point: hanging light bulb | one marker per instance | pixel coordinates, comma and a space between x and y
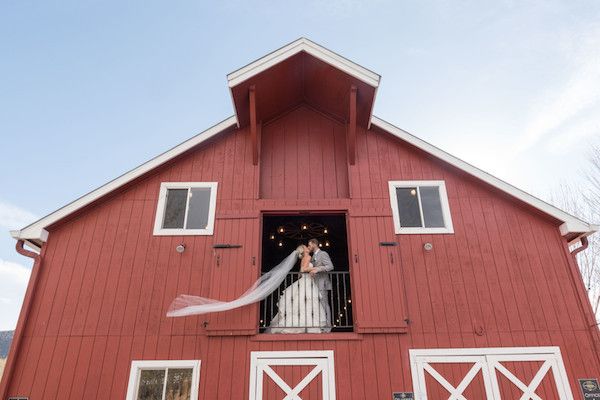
280, 244
280, 229
304, 227
327, 243
272, 237
320, 244
325, 230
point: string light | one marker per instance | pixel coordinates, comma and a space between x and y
281, 229
327, 243
325, 230
272, 237
280, 244
304, 227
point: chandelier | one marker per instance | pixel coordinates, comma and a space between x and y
301, 232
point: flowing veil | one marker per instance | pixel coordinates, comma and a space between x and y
185, 305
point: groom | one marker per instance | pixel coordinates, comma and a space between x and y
321, 264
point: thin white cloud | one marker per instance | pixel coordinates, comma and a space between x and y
569, 110
13, 271
13, 217
13, 283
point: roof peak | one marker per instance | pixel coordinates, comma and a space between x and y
316, 50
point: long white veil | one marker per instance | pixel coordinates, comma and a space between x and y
185, 305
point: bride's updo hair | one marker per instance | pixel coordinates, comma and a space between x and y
300, 250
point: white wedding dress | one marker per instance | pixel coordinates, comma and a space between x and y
300, 309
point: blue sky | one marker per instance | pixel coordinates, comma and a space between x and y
91, 89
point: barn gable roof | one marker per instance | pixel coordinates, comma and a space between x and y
303, 45
35, 234
303, 72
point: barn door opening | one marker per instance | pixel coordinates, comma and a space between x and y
526, 373
292, 375
281, 234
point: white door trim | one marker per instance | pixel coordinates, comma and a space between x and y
488, 360
261, 361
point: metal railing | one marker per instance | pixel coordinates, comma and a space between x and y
298, 306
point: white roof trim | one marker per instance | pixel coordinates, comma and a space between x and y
570, 224
303, 44
36, 231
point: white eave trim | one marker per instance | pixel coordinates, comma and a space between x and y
303, 44
37, 231
570, 224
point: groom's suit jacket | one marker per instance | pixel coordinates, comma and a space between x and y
322, 263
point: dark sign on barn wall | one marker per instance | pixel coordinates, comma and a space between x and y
589, 388
403, 395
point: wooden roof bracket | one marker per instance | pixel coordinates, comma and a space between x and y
352, 127
253, 128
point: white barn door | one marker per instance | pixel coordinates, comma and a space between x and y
491, 373
315, 366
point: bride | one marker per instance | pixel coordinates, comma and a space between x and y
300, 308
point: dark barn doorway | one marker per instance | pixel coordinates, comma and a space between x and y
281, 234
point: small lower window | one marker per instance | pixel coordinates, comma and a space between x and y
164, 380
186, 208
420, 207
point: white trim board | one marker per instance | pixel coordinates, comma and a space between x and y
261, 362
488, 361
184, 231
399, 229
138, 365
310, 47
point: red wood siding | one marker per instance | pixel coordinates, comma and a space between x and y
106, 281
303, 157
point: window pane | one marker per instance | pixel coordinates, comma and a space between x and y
179, 384
432, 207
151, 384
198, 212
175, 208
408, 207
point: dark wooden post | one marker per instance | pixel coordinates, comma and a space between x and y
352, 127
253, 130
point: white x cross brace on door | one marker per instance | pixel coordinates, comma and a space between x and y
488, 361
261, 362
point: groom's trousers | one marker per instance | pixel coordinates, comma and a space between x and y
324, 300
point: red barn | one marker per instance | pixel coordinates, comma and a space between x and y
448, 283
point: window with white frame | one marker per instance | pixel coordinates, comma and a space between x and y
420, 207
162, 380
186, 208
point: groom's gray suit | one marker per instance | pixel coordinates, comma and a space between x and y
322, 263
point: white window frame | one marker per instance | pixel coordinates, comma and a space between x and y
398, 229
260, 362
162, 201
487, 360
138, 365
